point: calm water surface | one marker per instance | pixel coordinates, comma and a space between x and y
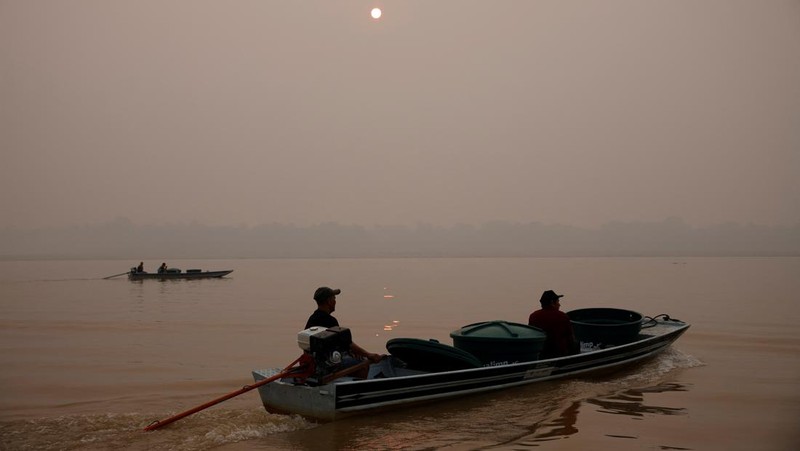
86, 363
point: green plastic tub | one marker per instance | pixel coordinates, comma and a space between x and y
500, 342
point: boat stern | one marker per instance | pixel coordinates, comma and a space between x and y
285, 397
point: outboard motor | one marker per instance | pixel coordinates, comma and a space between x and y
327, 346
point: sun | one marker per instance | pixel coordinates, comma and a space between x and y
376, 13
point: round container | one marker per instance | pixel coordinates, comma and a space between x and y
500, 342
430, 355
605, 326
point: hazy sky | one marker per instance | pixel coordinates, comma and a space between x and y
441, 112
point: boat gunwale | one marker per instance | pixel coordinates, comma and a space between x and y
594, 352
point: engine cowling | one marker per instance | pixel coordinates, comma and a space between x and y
327, 345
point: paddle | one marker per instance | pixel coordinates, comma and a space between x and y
116, 275
286, 372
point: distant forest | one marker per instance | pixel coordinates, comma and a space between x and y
121, 239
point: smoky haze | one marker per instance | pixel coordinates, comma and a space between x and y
243, 114
121, 239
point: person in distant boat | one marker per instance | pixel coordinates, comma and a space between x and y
162, 269
326, 304
560, 339
140, 268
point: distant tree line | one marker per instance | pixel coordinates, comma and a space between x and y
671, 237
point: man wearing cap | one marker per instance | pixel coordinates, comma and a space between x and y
556, 324
326, 304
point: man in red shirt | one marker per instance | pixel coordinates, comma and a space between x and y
556, 324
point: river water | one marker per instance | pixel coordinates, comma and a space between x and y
87, 362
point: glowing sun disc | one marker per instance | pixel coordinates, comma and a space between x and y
375, 13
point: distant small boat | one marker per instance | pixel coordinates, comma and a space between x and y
174, 273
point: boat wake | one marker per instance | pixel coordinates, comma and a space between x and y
205, 430
670, 360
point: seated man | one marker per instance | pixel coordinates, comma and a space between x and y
556, 324
326, 304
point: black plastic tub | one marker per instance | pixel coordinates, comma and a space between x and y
605, 326
430, 355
